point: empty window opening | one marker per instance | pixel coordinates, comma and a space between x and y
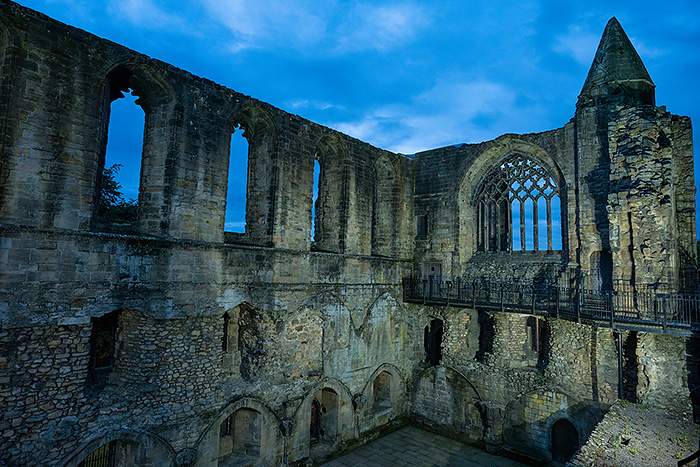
121, 174
536, 342
432, 342
102, 346
518, 208
314, 198
236, 194
104, 456
486, 334
240, 436
381, 391
422, 226
565, 441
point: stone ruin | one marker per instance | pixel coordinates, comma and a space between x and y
164, 340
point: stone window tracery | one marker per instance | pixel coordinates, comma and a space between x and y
518, 208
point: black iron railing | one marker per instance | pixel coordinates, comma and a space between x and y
653, 311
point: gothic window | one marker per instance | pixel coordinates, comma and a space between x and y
518, 208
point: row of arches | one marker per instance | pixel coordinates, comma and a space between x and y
248, 432
252, 179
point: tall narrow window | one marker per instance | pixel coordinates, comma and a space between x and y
236, 194
518, 208
121, 175
432, 342
314, 198
102, 346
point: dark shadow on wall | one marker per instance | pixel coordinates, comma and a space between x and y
486, 335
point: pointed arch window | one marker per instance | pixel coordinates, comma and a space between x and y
518, 208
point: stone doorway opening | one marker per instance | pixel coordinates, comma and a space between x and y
323, 427
565, 441
432, 341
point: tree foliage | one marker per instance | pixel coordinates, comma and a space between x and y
113, 208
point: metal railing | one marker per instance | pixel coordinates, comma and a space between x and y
651, 310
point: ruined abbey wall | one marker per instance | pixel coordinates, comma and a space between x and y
280, 346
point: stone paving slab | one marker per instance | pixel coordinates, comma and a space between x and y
413, 447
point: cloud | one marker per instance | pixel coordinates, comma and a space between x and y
447, 113
578, 43
331, 29
380, 27
303, 104
145, 13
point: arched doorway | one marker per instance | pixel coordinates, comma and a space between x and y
564, 441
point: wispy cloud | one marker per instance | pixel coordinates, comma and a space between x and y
578, 43
447, 113
303, 104
336, 28
145, 13
380, 27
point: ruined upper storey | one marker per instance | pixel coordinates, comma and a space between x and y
609, 197
58, 83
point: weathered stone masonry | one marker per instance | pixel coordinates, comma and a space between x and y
169, 342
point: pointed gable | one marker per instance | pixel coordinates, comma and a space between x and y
617, 74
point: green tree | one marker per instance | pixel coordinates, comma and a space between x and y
113, 208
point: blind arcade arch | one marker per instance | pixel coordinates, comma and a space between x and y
515, 199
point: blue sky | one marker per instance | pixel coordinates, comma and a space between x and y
403, 75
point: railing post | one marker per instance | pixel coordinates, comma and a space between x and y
449, 286
580, 304
612, 311
473, 295
665, 314
502, 307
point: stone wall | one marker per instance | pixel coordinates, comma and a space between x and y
268, 347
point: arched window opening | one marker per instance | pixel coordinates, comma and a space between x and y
237, 191
315, 210
565, 441
240, 436
330, 204
518, 208
381, 391
102, 347
118, 196
432, 342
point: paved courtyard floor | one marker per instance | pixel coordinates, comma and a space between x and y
414, 447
